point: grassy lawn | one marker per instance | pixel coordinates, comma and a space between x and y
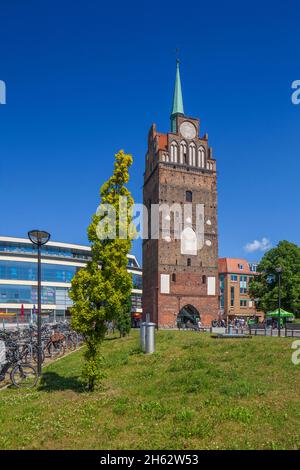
193, 393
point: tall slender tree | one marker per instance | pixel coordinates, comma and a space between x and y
101, 291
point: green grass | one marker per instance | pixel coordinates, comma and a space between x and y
193, 393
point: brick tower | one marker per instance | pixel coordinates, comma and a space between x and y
180, 267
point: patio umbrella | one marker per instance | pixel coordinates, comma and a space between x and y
283, 314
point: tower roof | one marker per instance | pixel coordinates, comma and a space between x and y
177, 107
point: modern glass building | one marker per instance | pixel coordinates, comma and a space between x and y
60, 261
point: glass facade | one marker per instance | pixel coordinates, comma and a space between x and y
26, 294
23, 248
13, 272
137, 281
48, 251
132, 263
23, 271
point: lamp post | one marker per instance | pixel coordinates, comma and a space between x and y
279, 272
39, 238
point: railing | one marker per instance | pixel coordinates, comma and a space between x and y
292, 331
287, 331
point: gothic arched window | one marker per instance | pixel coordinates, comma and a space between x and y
201, 157
183, 152
174, 152
192, 152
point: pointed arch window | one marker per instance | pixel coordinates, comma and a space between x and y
192, 152
183, 153
201, 157
174, 152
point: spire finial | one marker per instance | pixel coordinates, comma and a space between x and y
177, 107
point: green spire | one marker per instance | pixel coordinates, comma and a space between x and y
177, 99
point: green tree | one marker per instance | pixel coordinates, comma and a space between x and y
101, 291
265, 286
123, 323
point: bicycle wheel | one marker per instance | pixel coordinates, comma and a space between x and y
24, 376
56, 349
32, 355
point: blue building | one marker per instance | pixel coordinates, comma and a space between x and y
60, 261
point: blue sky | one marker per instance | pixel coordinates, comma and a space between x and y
87, 78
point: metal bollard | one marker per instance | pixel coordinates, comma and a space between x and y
143, 336
150, 338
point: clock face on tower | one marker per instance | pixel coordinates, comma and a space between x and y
188, 130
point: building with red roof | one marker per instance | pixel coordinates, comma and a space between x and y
235, 275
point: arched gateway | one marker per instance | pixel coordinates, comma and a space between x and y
188, 314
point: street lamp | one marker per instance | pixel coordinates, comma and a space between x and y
39, 238
279, 272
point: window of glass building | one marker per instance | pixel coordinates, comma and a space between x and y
26, 294
17, 270
137, 281
23, 248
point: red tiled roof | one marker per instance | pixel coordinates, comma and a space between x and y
231, 265
162, 141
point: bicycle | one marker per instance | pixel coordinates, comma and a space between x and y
22, 375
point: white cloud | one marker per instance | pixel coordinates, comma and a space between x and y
257, 245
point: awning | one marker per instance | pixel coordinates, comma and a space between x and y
283, 314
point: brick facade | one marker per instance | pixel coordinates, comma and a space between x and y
235, 275
193, 278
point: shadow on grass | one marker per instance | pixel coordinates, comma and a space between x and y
51, 381
112, 338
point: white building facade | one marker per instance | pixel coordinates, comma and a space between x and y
60, 262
